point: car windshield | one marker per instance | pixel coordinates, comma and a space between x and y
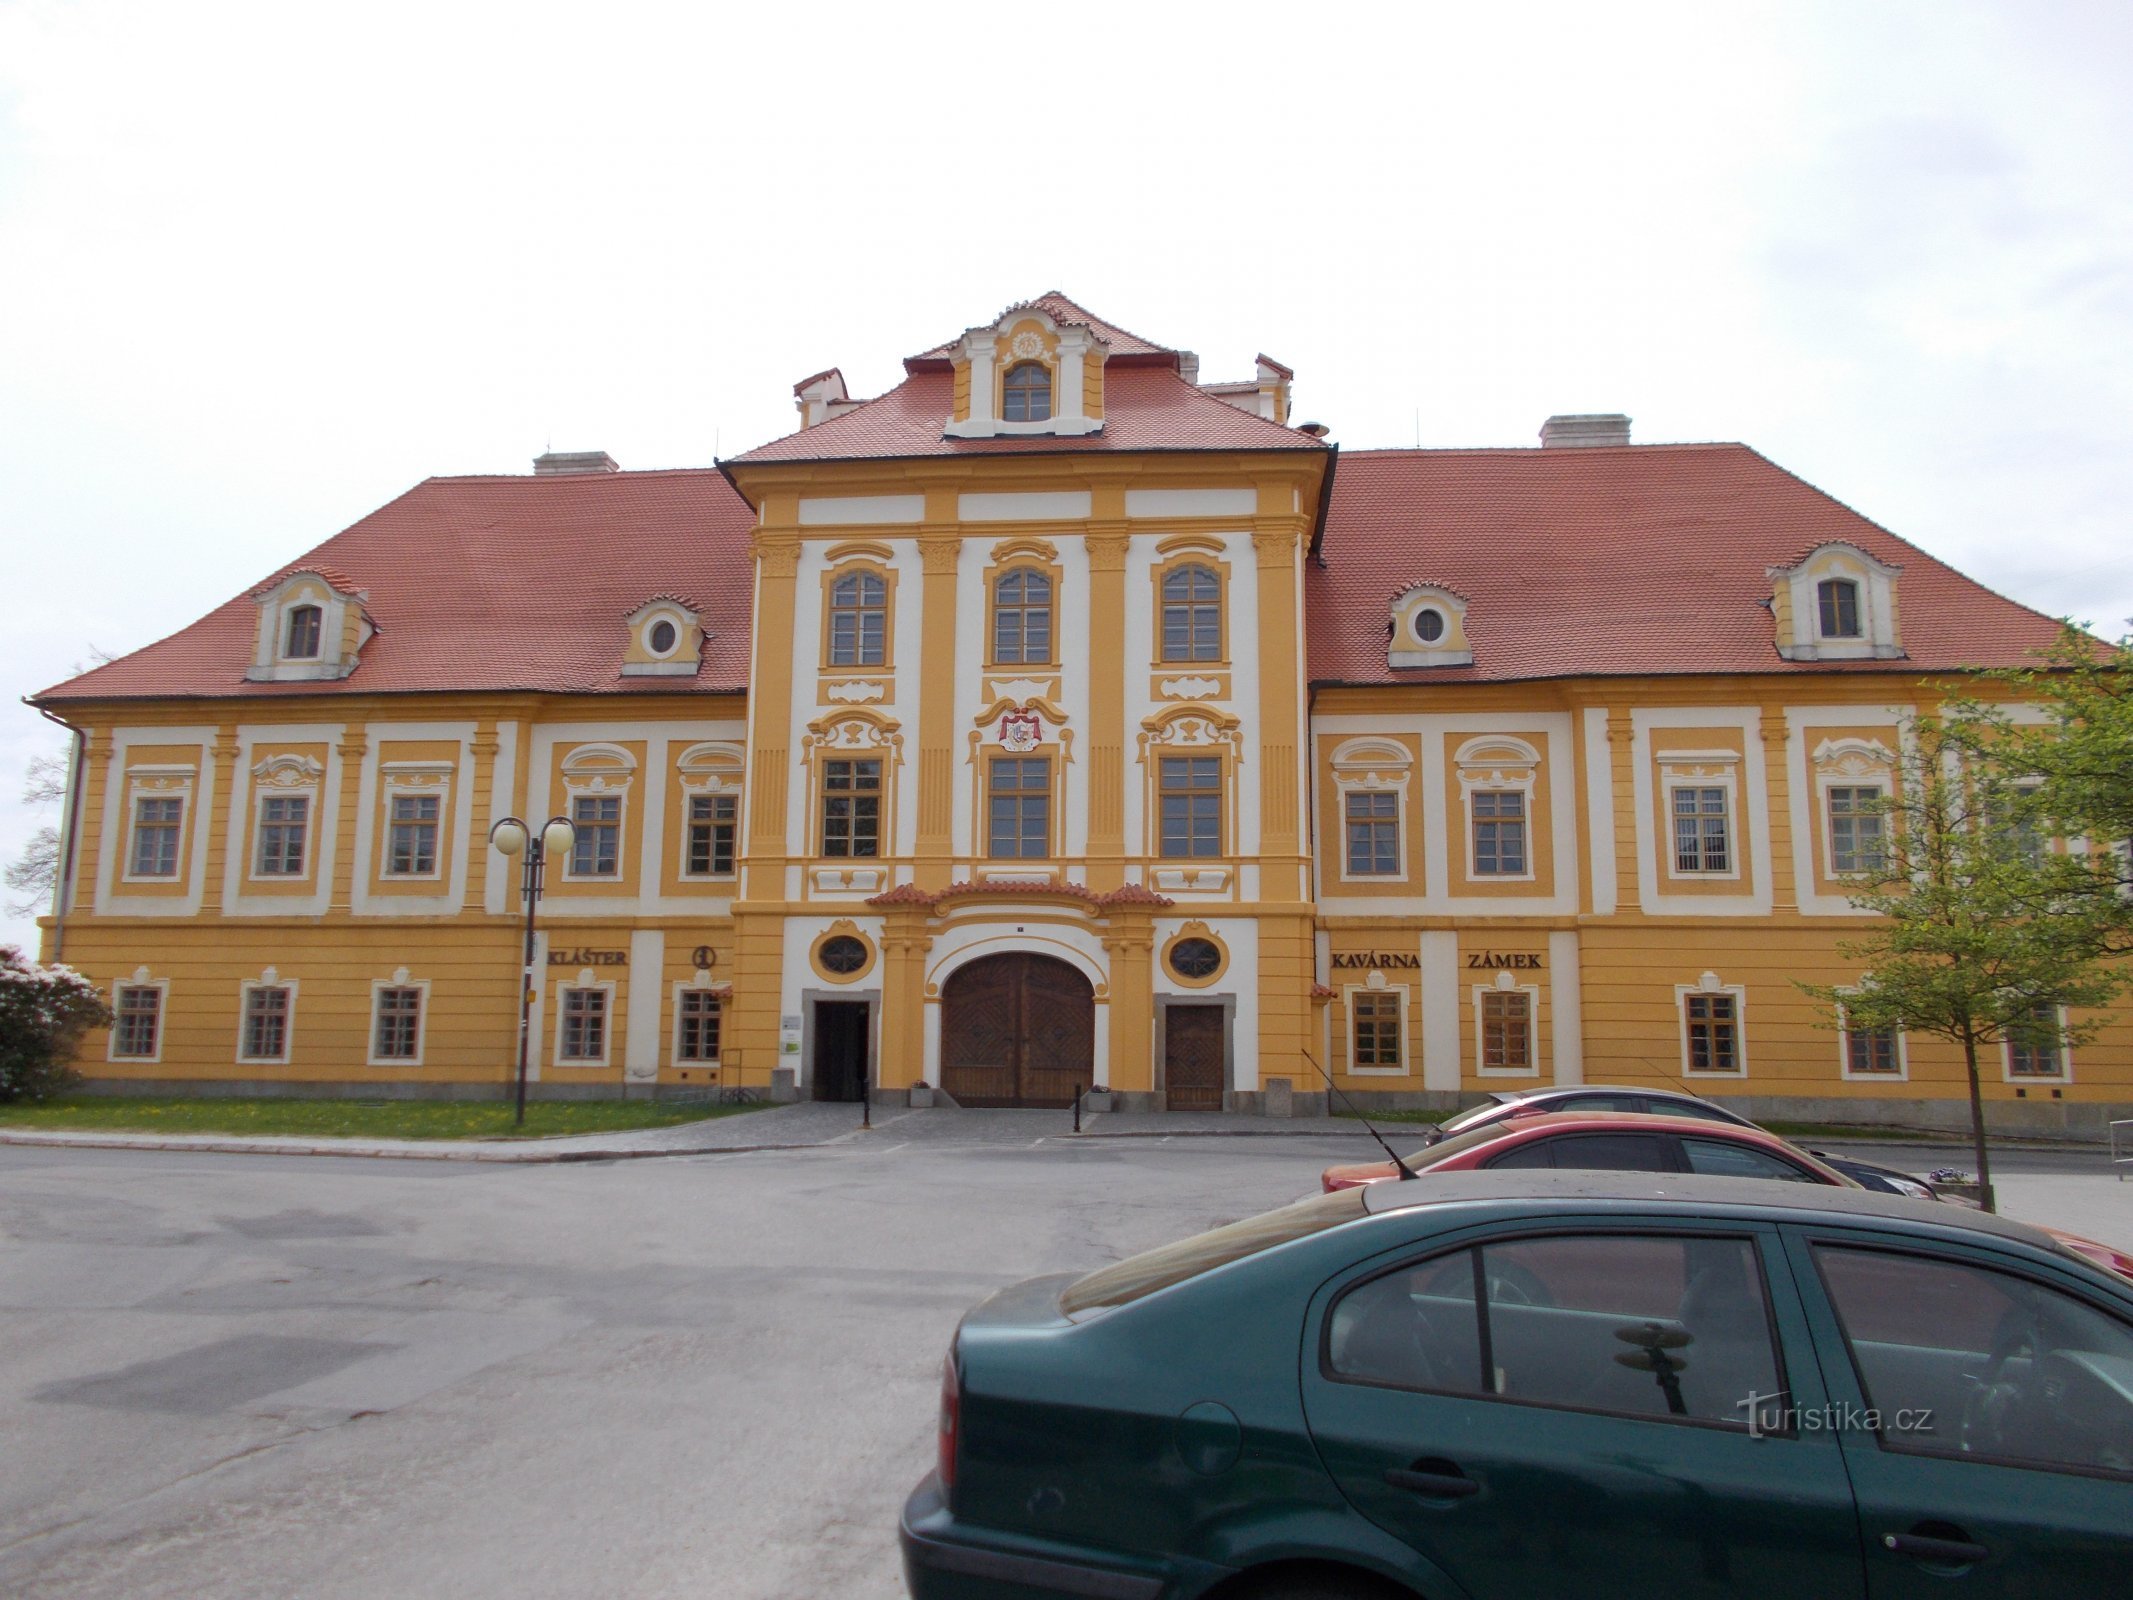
1140, 1275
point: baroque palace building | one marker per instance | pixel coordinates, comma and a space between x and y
1053, 719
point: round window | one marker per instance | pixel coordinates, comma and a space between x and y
842, 955
1429, 625
1196, 958
662, 637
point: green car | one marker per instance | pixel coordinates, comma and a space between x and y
1559, 1384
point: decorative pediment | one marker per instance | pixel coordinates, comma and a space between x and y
288, 772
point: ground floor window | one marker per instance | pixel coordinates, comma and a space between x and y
1507, 1031
1870, 1052
266, 1023
696, 1022
2036, 1048
137, 1027
1376, 1021
584, 1037
1714, 1033
397, 1026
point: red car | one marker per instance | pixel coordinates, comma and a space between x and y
1617, 1141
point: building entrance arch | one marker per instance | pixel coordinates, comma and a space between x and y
1017, 1029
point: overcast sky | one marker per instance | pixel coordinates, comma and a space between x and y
263, 266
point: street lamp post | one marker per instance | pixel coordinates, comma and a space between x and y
513, 837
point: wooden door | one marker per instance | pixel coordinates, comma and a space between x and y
1193, 1057
1017, 1030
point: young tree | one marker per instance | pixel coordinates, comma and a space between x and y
1985, 931
44, 1011
2083, 759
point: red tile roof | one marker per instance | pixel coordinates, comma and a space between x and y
495, 583
1145, 408
1641, 559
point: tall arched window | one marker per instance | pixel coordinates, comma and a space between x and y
1022, 617
302, 643
859, 612
1192, 615
1838, 600
1026, 393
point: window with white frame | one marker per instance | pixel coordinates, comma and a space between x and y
1872, 1053
596, 851
713, 822
264, 1027
1837, 608
696, 1027
1373, 833
2036, 1048
1374, 1031
284, 824
301, 638
1499, 833
1858, 843
1703, 831
396, 1023
137, 1022
157, 820
859, 620
411, 835
1713, 1037
1497, 775
581, 1024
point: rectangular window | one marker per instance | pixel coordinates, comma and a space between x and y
266, 1023
1714, 1033
411, 845
283, 821
1377, 1030
1020, 806
859, 619
1499, 833
1855, 830
1701, 841
155, 837
1868, 1051
2035, 1048
598, 850
2028, 837
584, 1025
397, 1033
138, 1022
851, 808
697, 1026
713, 819
1192, 805
1507, 1031
1373, 835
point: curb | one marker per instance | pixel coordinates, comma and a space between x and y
456, 1151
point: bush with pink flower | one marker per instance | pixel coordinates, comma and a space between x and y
44, 1011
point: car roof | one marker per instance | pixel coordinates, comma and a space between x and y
1553, 1090
1745, 1198
1642, 1122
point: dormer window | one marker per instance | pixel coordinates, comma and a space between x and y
1428, 629
303, 636
665, 639
1837, 603
1026, 393
1837, 600
661, 637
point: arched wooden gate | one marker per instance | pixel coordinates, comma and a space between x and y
1017, 1030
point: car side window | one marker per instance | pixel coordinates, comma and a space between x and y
1968, 1361
1414, 1328
1692, 1108
1610, 1152
1523, 1157
1667, 1327
1721, 1158
1600, 1102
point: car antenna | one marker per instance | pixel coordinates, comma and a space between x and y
1405, 1170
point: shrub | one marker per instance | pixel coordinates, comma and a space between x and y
44, 1011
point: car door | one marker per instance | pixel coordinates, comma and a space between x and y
1985, 1408
1578, 1412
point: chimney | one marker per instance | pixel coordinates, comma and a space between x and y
821, 397
1584, 430
560, 462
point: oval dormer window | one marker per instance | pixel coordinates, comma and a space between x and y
1429, 625
1026, 393
303, 637
661, 637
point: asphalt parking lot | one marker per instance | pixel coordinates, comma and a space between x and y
707, 1375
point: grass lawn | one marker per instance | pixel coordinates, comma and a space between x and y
1427, 1118
352, 1119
